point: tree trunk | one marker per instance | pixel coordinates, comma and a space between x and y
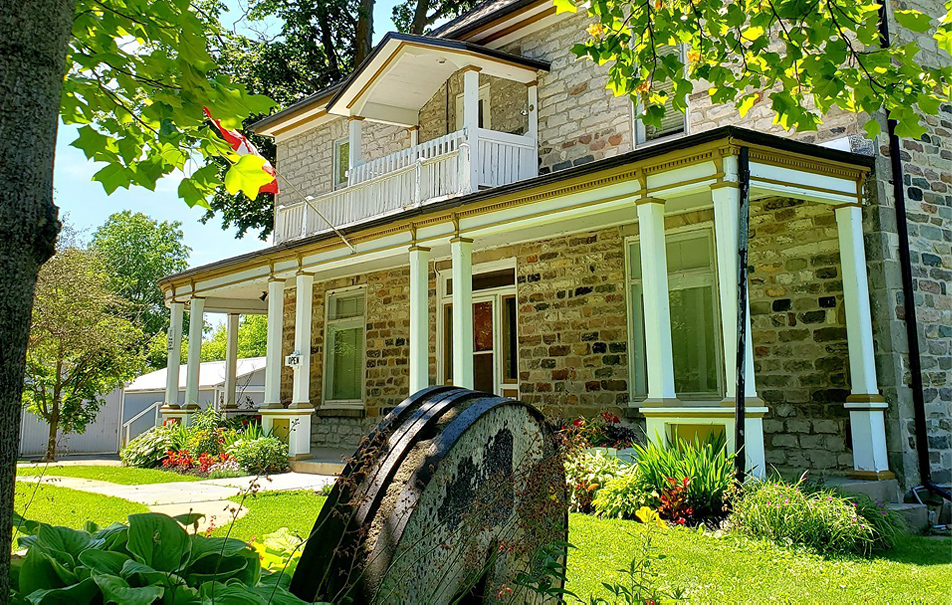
51, 440
32, 64
365, 30
419, 17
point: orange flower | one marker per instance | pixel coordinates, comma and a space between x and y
596, 30
694, 56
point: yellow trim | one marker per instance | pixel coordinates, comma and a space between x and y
722, 184
872, 475
518, 25
761, 179
496, 23
866, 398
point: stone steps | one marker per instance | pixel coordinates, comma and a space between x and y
915, 515
886, 491
313, 466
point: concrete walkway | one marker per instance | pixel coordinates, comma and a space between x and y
209, 497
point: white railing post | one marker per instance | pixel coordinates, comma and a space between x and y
471, 122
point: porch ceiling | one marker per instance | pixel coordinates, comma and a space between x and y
405, 71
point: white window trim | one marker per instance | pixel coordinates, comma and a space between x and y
335, 163
484, 96
638, 133
360, 320
693, 279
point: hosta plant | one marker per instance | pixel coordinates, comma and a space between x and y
153, 560
588, 472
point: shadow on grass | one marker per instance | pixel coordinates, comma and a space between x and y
919, 550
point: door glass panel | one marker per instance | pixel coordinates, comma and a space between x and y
448, 344
510, 371
346, 357
483, 326
483, 371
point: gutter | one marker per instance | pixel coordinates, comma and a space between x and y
908, 295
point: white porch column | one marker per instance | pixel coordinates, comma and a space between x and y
657, 312
471, 123
300, 396
231, 361
726, 198
275, 359
462, 274
174, 348
196, 325
420, 318
866, 406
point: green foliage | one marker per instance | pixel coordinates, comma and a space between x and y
802, 58
587, 473
252, 339
50, 503
821, 520
148, 449
707, 465
642, 580
136, 252
81, 345
151, 559
260, 456
139, 73
623, 496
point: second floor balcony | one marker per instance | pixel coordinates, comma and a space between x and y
396, 86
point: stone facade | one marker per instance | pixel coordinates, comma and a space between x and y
507, 100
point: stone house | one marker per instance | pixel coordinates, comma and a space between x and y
473, 206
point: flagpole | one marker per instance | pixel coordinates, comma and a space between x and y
307, 200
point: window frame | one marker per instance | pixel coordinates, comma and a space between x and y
335, 164
638, 131
692, 279
484, 96
337, 324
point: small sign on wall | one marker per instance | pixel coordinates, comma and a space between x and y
293, 360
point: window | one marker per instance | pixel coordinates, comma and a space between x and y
344, 348
674, 121
341, 162
484, 121
695, 319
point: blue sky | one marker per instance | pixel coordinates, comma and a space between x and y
88, 206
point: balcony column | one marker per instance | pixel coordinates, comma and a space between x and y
657, 312
532, 107
414, 136
865, 404
461, 251
231, 362
174, 349
304, 304
471, 126
275, 359
355, 127
419, 318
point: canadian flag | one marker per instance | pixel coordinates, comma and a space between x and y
242, 146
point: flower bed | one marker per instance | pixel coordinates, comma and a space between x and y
211, 446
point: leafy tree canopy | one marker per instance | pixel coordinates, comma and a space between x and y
252, 342
136, 252
81, 343
138, 74
806, 56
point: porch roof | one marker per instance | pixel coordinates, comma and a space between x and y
788, 158
404, 71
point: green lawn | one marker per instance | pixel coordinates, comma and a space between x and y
269, 511
124, 475
69, 507
709, 568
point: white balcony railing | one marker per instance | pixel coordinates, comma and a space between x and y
437, 169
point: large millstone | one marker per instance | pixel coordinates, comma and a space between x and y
454, 495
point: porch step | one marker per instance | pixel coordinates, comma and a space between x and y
916, 516
886, 491
312, 466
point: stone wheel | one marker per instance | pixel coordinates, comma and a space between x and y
454, 496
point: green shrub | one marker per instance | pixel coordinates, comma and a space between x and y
622, 496
586, 473
708, 465
261, 455
152, 560
148, 449
818, 519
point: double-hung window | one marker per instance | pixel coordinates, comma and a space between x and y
344, 349
675, 121
341, 162
695, 323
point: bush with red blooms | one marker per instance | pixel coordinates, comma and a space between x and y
604, 430
178, 461
674, 502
